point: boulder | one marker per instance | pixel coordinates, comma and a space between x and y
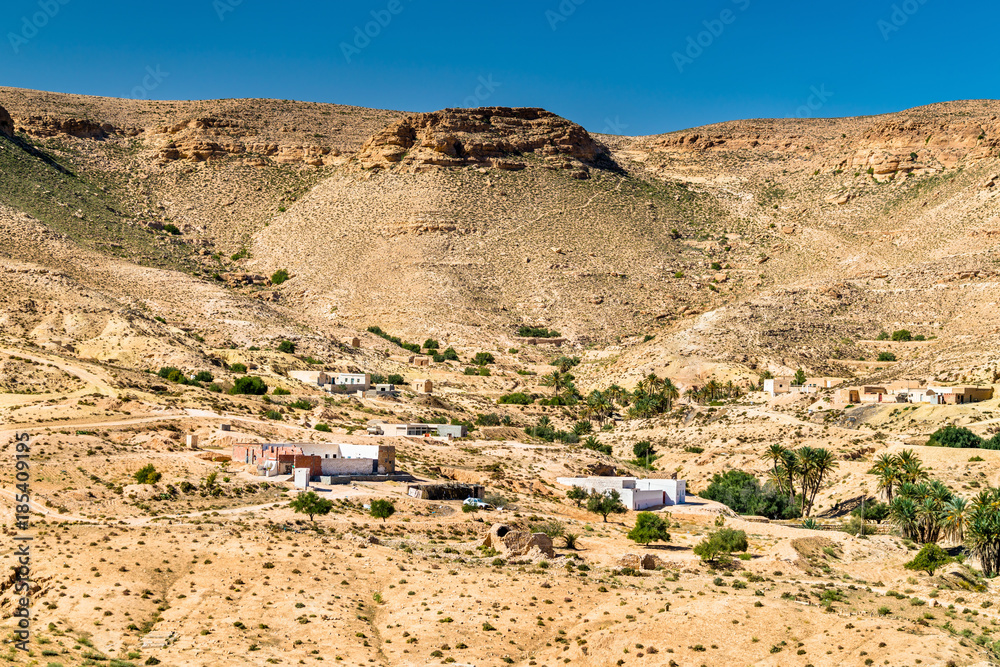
510, 542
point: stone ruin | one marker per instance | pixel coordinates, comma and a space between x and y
513, 543
640, 562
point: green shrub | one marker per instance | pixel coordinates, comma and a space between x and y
649, 527
238, 368
325, 428
248, 384
886, 356
147, 475
203, 376
281, 391
482, 358
431, 344
741, 492
489, 419
395, 378
171, 228
286, 346
721, 544
955, 436
279, 276
274, 415
517, 398
525, 331
902, 335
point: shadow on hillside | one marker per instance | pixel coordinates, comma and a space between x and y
40, 155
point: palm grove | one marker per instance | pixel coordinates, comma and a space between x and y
921, 509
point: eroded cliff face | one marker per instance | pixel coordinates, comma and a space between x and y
499, 137
906, 142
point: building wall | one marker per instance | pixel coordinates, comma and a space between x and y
673, 490
451, 431
599, 483
635, 499
386, 462
359, 451
347, 467
313, 463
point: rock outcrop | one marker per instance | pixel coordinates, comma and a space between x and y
498, 137
512, 543
81, 128
6, 123
640, 562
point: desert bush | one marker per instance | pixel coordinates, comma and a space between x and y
279, 276
286, 346
516, 398
147, 475
249, 385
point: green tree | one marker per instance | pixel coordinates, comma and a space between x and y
286, 346
800, 377
203, 376
395, 378
249, 385
311, 504
886, 356
577, 495
902, 335
886, 468
431, 344
605, 503
928, 559
955, 436
721, 545
146, 475
648, 528
238, 368
450, 354
382, 509
482, 358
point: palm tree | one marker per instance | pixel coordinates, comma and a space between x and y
953, 519
903, 515
911, 468
558, 380
886, 467
790, 460
823, 463
775, 454
982, 535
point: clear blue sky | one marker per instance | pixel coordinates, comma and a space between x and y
611, 66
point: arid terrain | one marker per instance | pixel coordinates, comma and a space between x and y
254, 238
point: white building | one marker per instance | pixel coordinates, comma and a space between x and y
636, 494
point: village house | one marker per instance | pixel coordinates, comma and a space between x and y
778, 385
322, 459
636, 494
419, 430
422, 386
912, 391
786, 385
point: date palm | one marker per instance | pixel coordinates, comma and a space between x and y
886, 468
953, 518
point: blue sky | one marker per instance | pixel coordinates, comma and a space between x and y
628, 68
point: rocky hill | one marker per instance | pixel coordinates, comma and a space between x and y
765, 244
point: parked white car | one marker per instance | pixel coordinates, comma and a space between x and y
476, 502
